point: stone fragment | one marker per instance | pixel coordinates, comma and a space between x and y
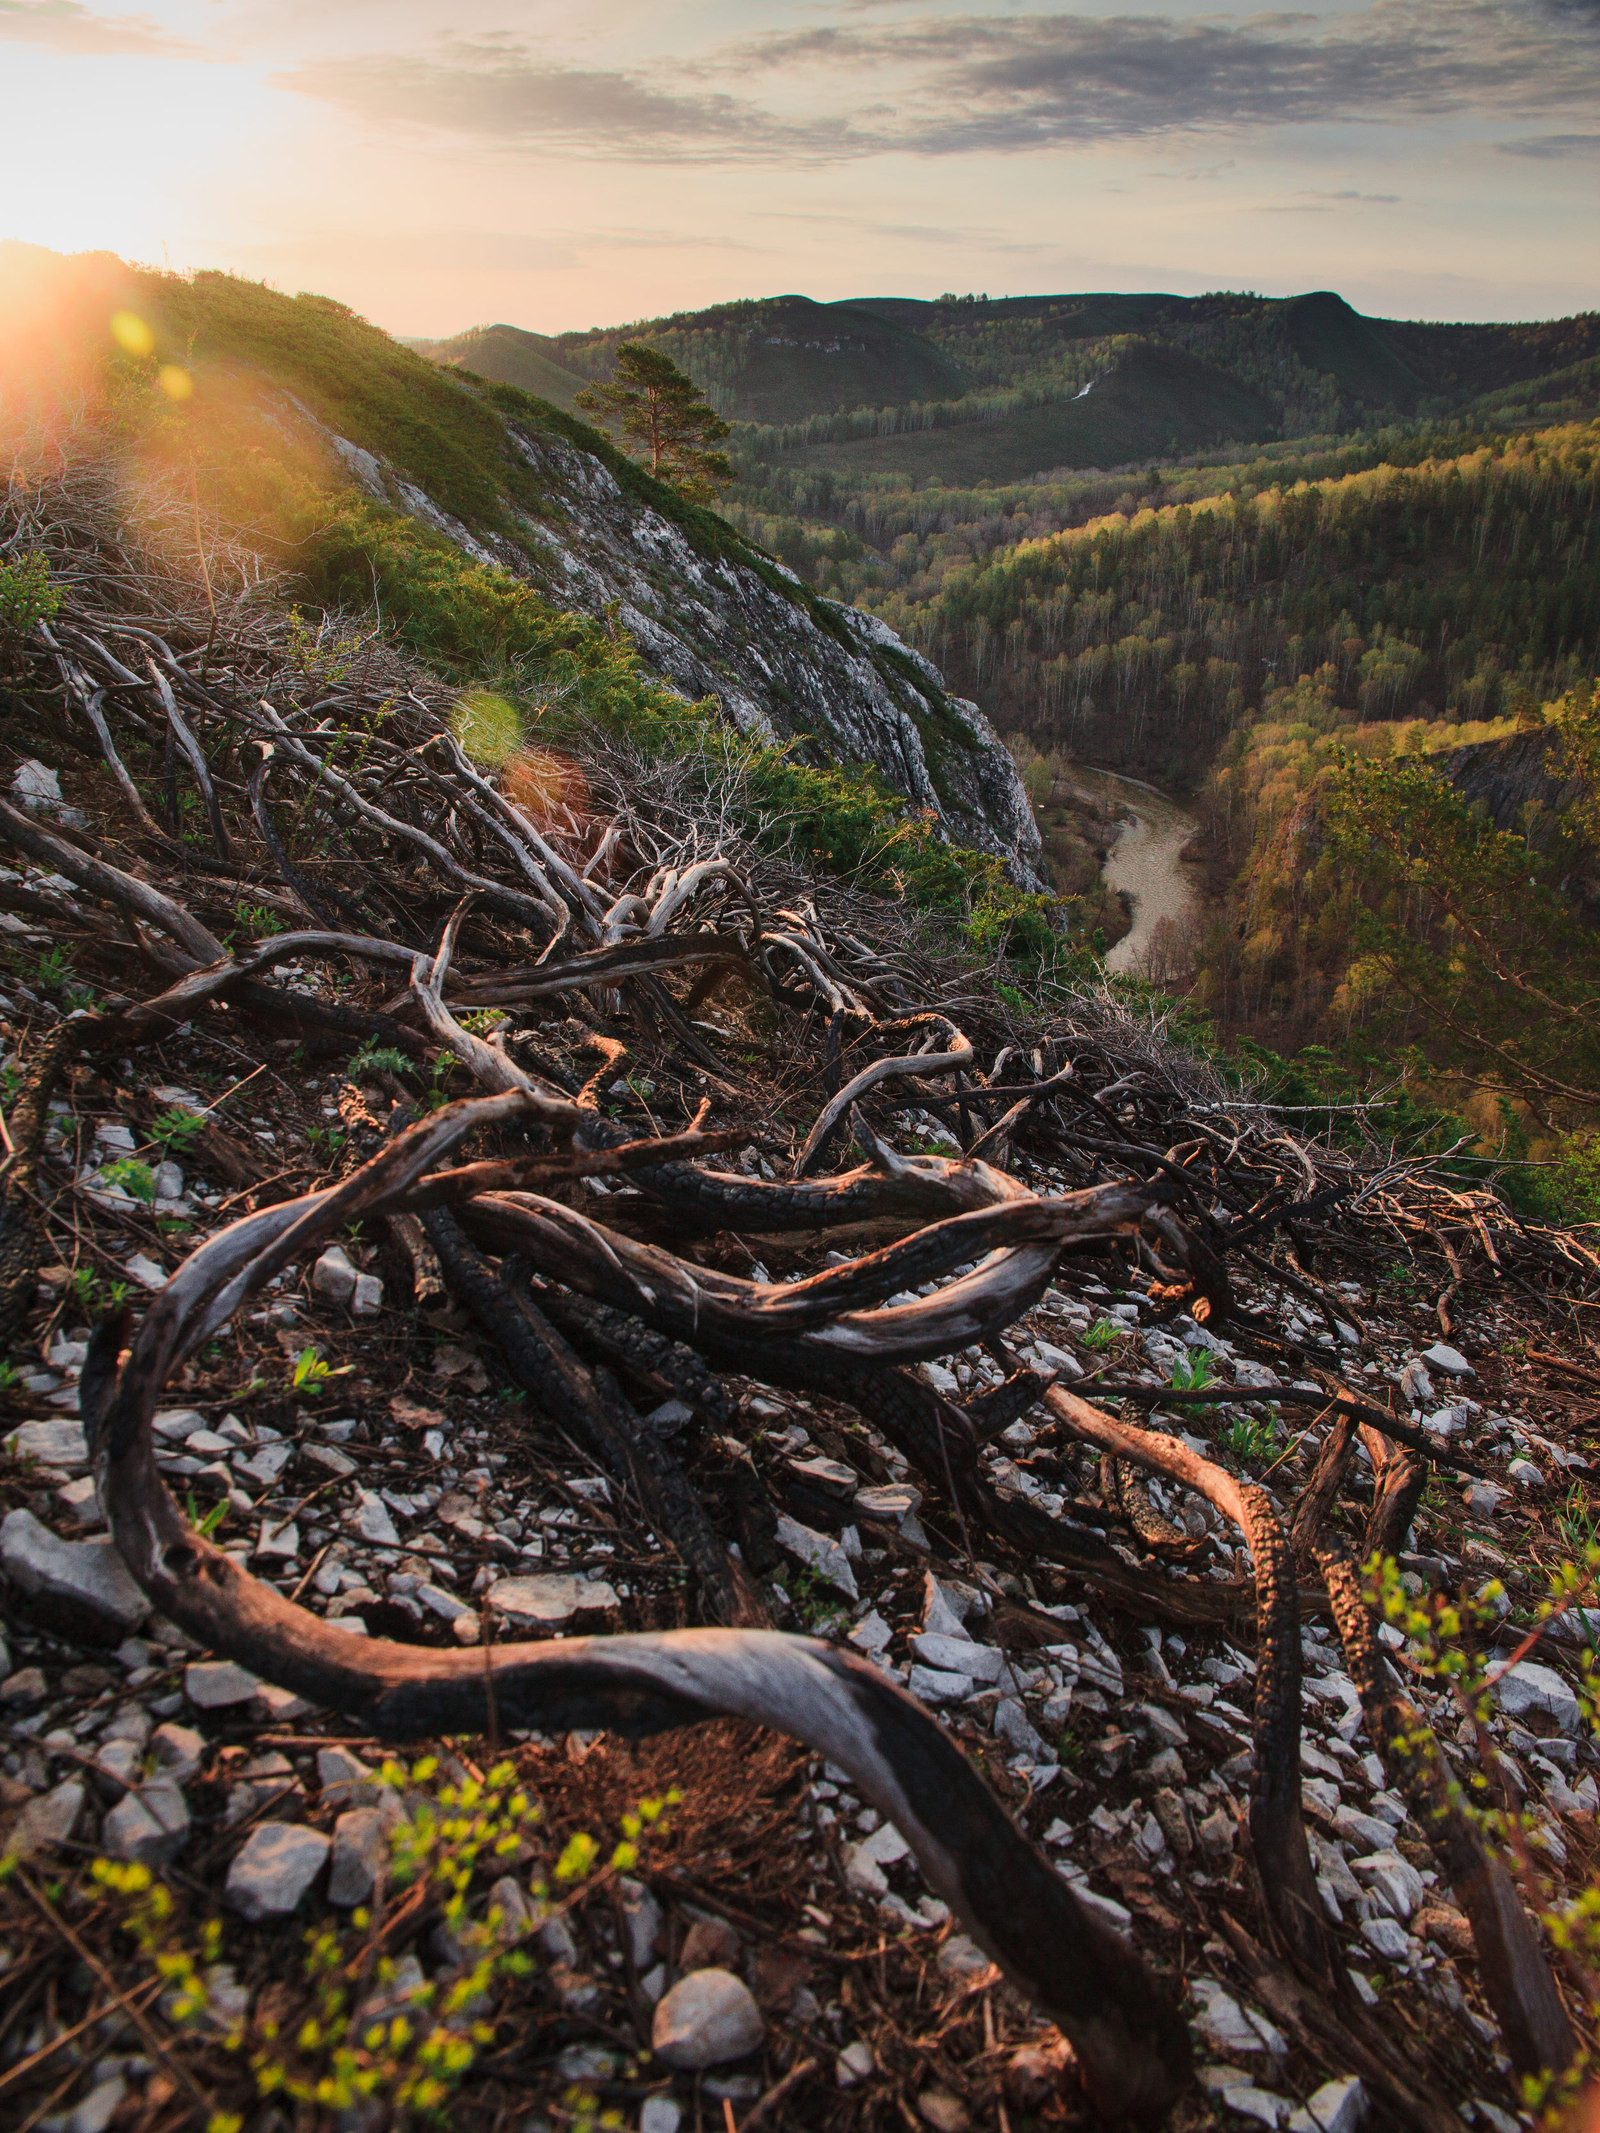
359, 1853
1337, 2107
1243, 2098
1216, 1834
854, 2064
961, 1957
1525, 1474
931, 1685
1450, 1360
218, 1684
819, 1552
150, 1825
80, 1500
26, 1685
1443, 1923
510, 1899
86, 1579
333, 1278
1228, 2027
1415, 1382
832, 1476
370, 1519
960, 1655
1014, 1729
1528, 1689
1363, 1829
176, 1751
1386, 1937
56, 1443
1395, 1884
894, 1502
944, 1611
944, 2112
864, 1863
553, 1604
37, 786
708, 2019
642, 1920
660, 2114
277, 1865
871, 1634
367, 1300
49, 1818
344, 1780
147, 1272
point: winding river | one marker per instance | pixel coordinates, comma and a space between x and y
1144, 860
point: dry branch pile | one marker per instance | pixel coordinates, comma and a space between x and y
482, 1142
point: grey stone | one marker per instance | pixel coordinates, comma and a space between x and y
359, 1854
1228, 2027
959, 1655
1386, 1937
178, 1424
864, 1862
1013, 1728
1395, 1883
1337, 2107
1450, 1360
333, 1278
89, 1576
49, 1818
26, 1685
176, 1751
707, 2019
932, 1685
944, 1611
344, 1780
642, 1918
1364, 1829
854, 2064
218, 1684
367, 1301
1525, 1474
1243, 2097
961, 1957
150, 1825
277, 1865
510, 1899
552, 1602
660, 2114
56, 1443
1528, 1689
370, 1519
98, 2108
819, 1552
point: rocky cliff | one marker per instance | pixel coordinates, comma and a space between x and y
713, 616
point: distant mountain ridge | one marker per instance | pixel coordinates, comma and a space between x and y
1040, 383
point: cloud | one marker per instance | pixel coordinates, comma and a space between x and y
958, 85
1553, 147
494, 89
65, 26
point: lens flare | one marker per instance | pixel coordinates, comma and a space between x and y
175, 381
541, 783
131, 334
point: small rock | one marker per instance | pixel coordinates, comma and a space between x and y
98, 2108
1363, 1829
1443, 1923
1228, 2027
1014, 1730
37, 786
359, 1854
1415, 1382
147, 1272
1386, 1938
1243, 2098
509, 1898
1217, 1833
367, 1300
344, 1780
1337, 2107
150, 1825
48, 1819
642, 1919
57, 1443
929, 1685
854, 2064
26, 1685
1450, 1360
864, 1863
709, 1944
273, 1871
660, 2114
371, 1520
217, 1684
944, 2112
961, 1957
80, 1500
553, 1604
333, 1278
959, 1655
1395, 1883
87, 1578
1525, 1474
819, 1552
1528, 1688
871, 1634
176, 1751
707, 2019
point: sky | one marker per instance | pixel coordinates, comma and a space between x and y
444, 163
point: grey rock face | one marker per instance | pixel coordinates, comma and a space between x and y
780, 660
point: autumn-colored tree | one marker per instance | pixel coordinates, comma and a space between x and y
661, 414
1484, 929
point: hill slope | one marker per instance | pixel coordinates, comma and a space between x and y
507, 355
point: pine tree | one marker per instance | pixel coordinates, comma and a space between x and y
660, 413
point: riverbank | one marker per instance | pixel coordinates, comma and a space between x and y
1145, 865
